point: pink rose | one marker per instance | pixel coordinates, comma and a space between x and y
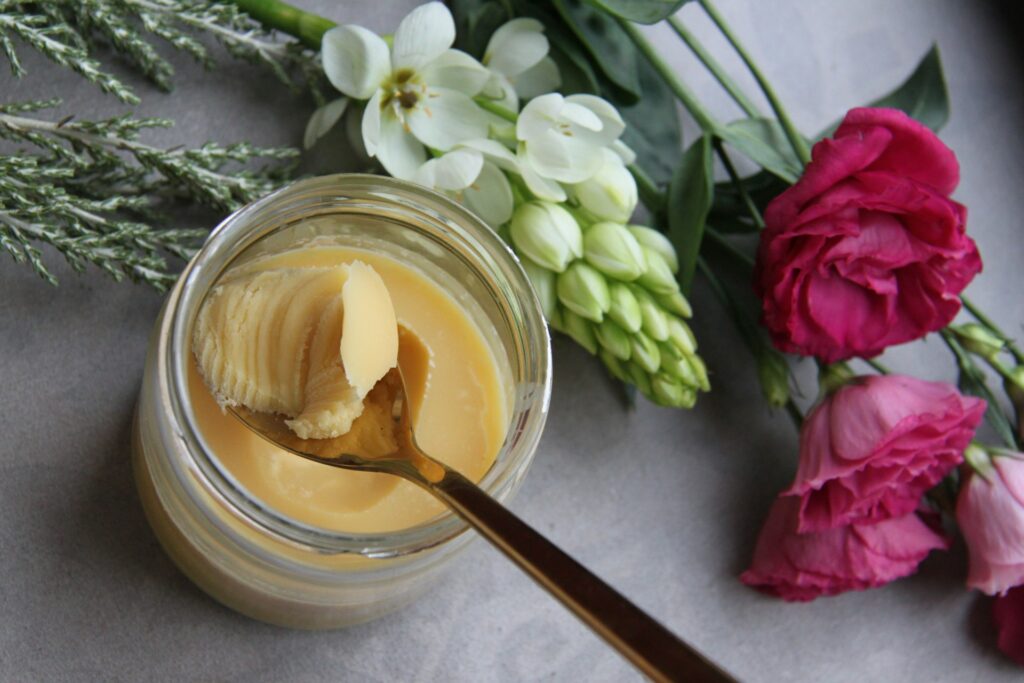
1008, 613
800, 567
990, 512
870, 449
866, 250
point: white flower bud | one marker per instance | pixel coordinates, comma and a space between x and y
652, 239
543, 281
547, 234
657, 277
610, 194
584, 291
611, 248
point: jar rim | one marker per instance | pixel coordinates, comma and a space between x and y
254, 221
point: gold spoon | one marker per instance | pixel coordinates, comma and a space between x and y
382, 440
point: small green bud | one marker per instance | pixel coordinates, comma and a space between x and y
655, 321
610, 194
543, 281
834, 376
682, 336
547, 234
657, 276
614, 365
978, 339
581, 330
1014, 386
584, 291
611, 248
645, 352
978, 459
613, 338
676, 303
773, 373
701, 370
675, 364
671, 393
639, 377
625, 310
656, 241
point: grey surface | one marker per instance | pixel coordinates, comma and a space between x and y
666, 505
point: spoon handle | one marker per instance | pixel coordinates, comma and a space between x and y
651, 647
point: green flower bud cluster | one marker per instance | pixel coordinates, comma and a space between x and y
612, 288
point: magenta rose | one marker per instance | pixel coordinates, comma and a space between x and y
867, 249
871, 448
1008, 613
801, 567
990, 512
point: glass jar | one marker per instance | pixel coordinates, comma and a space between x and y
244, 553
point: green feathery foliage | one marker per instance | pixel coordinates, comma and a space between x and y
67, 31
93, 191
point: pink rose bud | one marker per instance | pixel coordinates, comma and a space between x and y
1008, 613
990, 512
870, 449
866, 250
801, 567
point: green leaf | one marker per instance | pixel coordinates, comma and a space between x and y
475, 22
652, 126
764, 142
610, 48
729, 212
923, 96
641, 11
690, 194
574, 68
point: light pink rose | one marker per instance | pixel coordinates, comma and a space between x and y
990, 512
866, 250
1008, 613
801, 567
870, 449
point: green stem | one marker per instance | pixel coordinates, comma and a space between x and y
879, 368
701, 115
796, 140
980, 316
737, 182
495, 108
716, 70
309, 28
746, 328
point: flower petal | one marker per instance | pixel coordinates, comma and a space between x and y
454, 170
456, 70
444, 118
500, 89
399, 153
355, 60
611, 120
495, 152
541, 187
516, 46
322, 120
422, 36
543, 77
371, 124
539, 115
567, 159
581, 116
624, 151
490, 197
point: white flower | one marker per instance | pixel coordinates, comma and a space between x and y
517, 54
610, 194
562, 138
472, 173
420, 91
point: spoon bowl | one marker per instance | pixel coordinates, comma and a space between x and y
382, 439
